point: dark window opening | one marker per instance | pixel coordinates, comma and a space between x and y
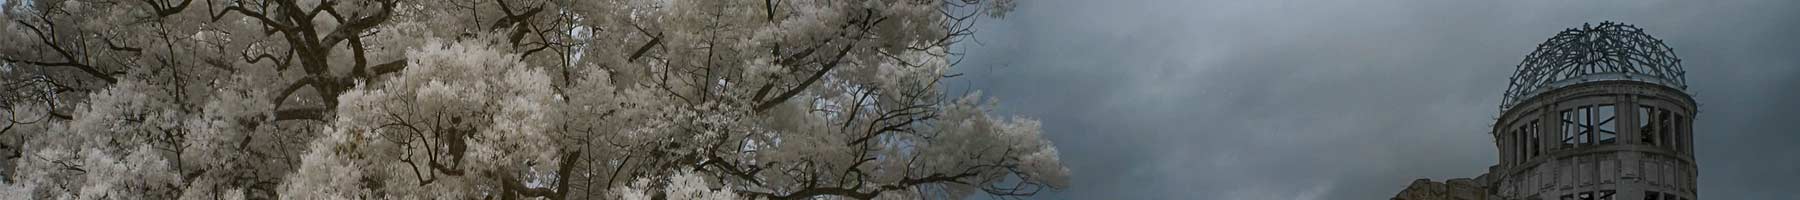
1525, 140
1646, 132
1606, 131
1652, 196
1570, 127
1676, 134
1665, 129
1532, 142
1578, 126
1518, 138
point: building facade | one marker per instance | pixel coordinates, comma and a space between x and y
1596, 113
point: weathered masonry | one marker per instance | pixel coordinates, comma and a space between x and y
1596, 113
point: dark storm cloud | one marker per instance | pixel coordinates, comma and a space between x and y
1353, 100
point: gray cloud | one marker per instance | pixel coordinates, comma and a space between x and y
1352, 100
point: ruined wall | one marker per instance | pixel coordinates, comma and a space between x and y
1453, 189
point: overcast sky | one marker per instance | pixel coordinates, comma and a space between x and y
1272, 99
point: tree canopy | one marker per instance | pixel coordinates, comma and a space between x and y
506, 99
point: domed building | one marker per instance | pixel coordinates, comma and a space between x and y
1600, 112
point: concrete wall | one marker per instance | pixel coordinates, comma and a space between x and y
1634, 162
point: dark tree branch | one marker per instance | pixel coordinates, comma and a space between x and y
314, 114
654, 40
163, 10
389, 67
783, 97
49, 39
866, 24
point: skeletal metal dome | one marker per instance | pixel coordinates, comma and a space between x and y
1610, 51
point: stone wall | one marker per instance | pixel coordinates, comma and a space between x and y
1453, 189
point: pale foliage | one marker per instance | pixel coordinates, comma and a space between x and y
685, 185
452, 93
399, 99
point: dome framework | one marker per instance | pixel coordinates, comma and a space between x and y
1610, 51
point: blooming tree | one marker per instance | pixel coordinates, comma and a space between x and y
463, 99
